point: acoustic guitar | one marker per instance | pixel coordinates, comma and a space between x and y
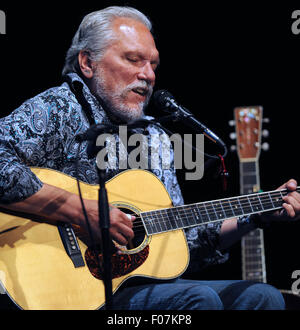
248, 127
54, 267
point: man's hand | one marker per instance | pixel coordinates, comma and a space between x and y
230, 231
291, 205
120, 224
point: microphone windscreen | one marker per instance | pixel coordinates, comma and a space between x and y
161, 98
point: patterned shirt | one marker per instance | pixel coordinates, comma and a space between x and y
41, 133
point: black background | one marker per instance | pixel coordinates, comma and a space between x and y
214, 57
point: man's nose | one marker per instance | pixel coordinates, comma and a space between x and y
147, 73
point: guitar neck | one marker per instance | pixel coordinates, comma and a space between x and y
186, 216
252, 253
249, 177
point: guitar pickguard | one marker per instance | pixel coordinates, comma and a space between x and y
122, 264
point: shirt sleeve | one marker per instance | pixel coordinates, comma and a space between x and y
203, 241
25, 140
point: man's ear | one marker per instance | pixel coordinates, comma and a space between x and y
85, 64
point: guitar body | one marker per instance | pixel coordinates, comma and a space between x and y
39, 274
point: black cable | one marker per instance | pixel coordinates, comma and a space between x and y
194, 148
90, 232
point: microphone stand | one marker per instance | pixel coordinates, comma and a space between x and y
103, 221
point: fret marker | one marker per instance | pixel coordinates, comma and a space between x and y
195, 214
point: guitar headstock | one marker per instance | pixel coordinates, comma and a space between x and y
248, 127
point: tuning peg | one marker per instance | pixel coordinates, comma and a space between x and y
266, 120
265, 133
232, 135
231, 123
233, 148
265, 146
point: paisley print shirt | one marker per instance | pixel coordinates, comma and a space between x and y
41, 133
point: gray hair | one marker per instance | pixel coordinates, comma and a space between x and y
95, 34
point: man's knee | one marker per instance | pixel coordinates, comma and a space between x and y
202, 297
252, 295
268, 297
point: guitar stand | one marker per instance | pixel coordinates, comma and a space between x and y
104, 224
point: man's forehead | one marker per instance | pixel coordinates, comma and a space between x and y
130, 28
127, 29
134, 35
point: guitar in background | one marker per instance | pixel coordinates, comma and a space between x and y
248, 123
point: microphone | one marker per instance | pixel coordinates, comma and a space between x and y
166, 102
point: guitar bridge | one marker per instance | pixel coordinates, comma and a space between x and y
70, 243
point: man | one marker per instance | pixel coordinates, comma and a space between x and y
113, 58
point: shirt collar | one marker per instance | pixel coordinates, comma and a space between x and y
74, 80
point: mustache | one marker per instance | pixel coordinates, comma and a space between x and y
147, 87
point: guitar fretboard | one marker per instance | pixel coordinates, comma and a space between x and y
253, 254
249, 177
180, 217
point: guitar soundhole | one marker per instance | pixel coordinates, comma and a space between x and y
132, 255
139, 232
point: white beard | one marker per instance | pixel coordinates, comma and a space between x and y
114, 100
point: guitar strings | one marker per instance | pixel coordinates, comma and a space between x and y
158, 217
210, 210
186, 212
